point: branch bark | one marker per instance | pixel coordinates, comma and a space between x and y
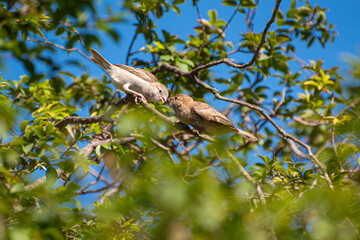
106, 117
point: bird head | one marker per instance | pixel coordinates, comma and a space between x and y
179, 100
157, 93
162, 92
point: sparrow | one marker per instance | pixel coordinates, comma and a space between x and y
142, 84
203, 117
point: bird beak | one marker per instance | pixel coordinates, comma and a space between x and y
170, 99
163, 100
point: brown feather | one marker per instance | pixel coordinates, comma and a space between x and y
210, 114
203, 117
141, 73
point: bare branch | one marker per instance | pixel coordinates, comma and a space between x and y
97, 190
130, 47
41, 181
297, 151
177, 124
310, 122
251, 62
224, 28
46, 42
78, 120
201, 21
353, 104
225, 60
204, 169
106, 117
257, 186
96, 142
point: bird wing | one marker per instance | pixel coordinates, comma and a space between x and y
210, 114
141, 73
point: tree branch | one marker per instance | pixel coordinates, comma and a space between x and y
178, 124
130, 47
310, 122
96, 142
257, 186
106, 117
46, 42
251, 62
353, 104
224, 28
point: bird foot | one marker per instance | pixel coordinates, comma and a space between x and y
142, 98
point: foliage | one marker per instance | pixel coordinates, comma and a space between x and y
141, 177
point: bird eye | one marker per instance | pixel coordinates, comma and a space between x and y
160, 91
175, 98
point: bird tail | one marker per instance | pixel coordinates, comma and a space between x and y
99, 60
249, 135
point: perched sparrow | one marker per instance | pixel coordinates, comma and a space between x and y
141, 83
203, 117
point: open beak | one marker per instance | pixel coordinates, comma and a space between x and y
163, 100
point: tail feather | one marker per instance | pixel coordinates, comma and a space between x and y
99, 60
249, 135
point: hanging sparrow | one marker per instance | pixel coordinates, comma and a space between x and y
142, 84
203, 117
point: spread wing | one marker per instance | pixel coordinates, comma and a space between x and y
210, 114
141, 73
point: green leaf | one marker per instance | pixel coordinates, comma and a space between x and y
213, 16
24, 35
39, 32
232, 3
263, 57
39, 130
166, 57
51, 175
266, 159
23, 125
247, 3
182, 66
17, 188
59, 31
187, 61
98, 151
27, 148
311, 83
159, 45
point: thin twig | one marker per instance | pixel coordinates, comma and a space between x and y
201, 20
177, 124
257, 186
46, 42
310, 122
106, 117
224, 28
96, 142
251, 62
353, 104
130, 47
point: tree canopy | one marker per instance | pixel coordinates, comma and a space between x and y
78, 160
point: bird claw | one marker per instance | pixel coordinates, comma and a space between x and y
142, 98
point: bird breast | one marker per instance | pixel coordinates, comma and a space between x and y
184, 114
